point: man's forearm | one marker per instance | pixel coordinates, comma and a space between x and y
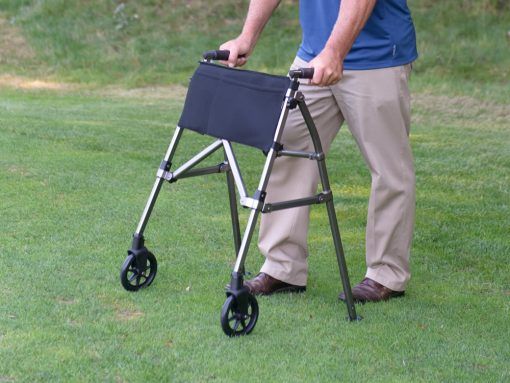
352, 18
259, 13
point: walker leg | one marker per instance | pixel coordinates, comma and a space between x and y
140, 267
340, 256
321, 162
240, 306
236, 231
165, 166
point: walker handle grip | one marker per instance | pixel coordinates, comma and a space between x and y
216, 55
302, 73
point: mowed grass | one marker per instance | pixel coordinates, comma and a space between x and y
75, 172
76, 169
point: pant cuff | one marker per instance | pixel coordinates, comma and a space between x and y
378, 276
275, 270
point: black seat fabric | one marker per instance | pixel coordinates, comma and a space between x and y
237, 105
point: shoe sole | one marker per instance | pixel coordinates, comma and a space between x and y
397, 294
283, 290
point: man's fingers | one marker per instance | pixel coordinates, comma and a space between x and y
331, 78
233, 57
318, 75
236, 57
336, 79
325, 77
241, 60
225, 47
240, 50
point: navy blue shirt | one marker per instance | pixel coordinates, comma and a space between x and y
388, 38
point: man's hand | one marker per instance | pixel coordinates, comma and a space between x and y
328, 68
240, 49
352, 17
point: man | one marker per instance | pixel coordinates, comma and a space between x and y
362, 52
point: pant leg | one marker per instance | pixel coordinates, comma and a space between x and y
376, 106
283, 234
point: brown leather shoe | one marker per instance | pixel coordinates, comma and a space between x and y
371, 291
264, 284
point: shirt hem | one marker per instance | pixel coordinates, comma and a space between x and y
376, 65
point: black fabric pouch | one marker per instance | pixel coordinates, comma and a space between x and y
237, 105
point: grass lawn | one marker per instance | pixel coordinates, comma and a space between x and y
76, 168
77, 164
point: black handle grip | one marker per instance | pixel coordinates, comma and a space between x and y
302, 73
216, 55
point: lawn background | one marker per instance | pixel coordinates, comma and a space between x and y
77, 163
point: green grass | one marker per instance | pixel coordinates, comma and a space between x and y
75, 172
76, 168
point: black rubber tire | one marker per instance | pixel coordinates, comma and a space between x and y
132, 279
232, 321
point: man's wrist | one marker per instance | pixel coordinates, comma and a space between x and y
335, 51
249, 38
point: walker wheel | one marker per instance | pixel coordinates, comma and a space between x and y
134, 279
234, 322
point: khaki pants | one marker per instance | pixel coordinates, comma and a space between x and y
376, 106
